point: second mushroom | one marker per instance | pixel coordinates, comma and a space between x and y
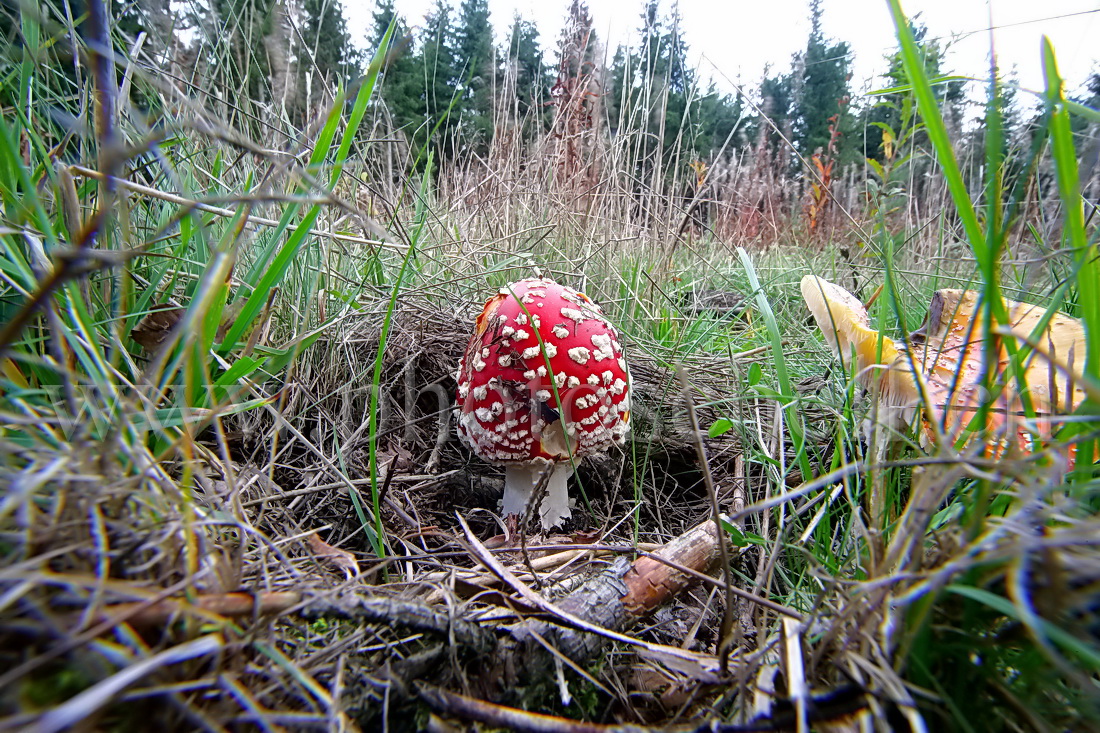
543, 382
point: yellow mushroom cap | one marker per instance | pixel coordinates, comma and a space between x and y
948, 362
880, 363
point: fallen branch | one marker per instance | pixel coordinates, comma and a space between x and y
209, 608
595, 612
352, 605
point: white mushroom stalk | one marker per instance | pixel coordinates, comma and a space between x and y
543, 383
520, 481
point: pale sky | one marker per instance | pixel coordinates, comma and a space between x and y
734, 39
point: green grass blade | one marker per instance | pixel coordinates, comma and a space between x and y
775, 336
937, 130
289, 251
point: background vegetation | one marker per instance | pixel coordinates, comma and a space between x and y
239, 263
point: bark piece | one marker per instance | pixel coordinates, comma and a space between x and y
651, 583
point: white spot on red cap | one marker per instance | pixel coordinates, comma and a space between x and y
602, 342
586, 400
573, 314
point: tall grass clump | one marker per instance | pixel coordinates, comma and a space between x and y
155, 318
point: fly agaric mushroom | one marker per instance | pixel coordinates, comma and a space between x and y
543, 382
947, 362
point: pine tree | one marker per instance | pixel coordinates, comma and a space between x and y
667, 84
653, 84
329, 54
402, 86
718, 115
620, 97
437, 75
476, 58
776, 104
238, 31
894, 113
679, 79
650, 58
531, 75
822, 103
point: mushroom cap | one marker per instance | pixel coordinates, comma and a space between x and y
948, 354
951, 350
507, 407
879, 361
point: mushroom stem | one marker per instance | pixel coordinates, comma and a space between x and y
520, 482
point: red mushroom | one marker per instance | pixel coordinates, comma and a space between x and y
543, 383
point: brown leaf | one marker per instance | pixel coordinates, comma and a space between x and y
697, 666
586, 538
340, 558
155, 327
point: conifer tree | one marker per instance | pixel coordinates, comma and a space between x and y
895, 110
532, 80
652, 82
680, 121
327, 58
237, 33
477, 63
822, 103
650, 61
667, 82
402, 85
438, 80
620, 95
240, 34
718, 116
680, 75
776, 104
